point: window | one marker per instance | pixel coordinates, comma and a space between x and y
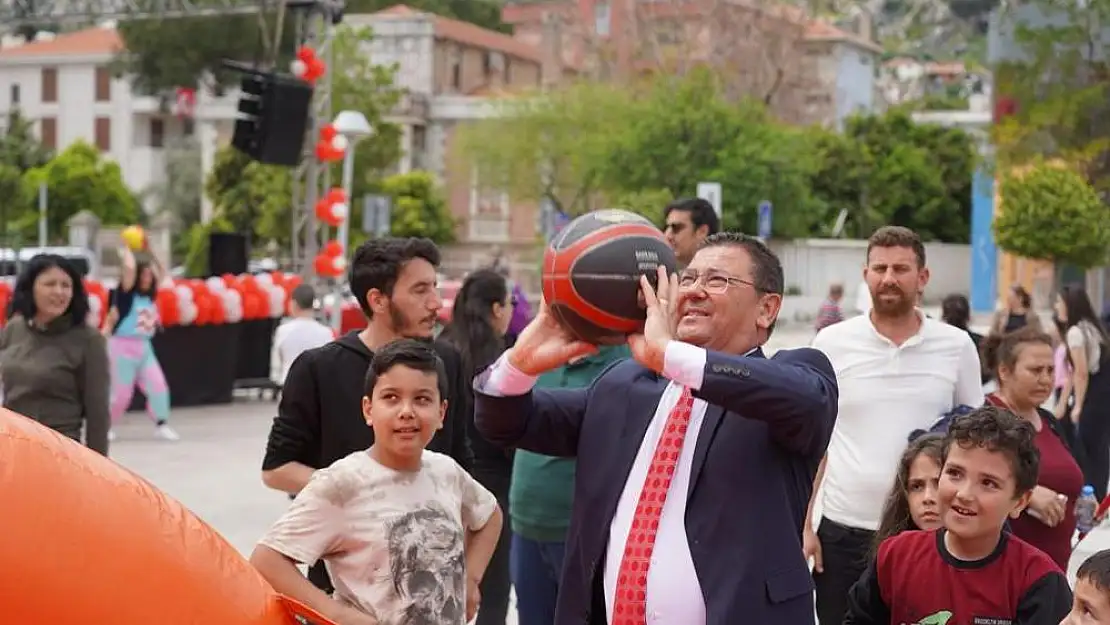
15, 95
188, 127
157, 133
103, 84
49, 84
48, 132
103, 133
601, 19
456, 75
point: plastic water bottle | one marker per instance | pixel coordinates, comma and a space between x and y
1085, 508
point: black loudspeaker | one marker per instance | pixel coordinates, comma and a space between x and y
274, 111
227, 253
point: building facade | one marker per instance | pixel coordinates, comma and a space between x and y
65, 86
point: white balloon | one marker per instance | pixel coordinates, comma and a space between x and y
340, 264
277, 302
184, 293
94, 303
340, 143
187, 311
215, 283
264, 279
340, 210
298, 67
233, 306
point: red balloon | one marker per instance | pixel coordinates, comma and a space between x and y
336, 195
327, 133
325, 214
324, 266
333, 248
306, 54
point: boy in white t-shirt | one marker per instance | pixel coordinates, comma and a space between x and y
406, 533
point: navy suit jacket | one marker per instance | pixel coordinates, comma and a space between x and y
765, 430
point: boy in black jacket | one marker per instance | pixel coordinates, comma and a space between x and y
320, 415
970, 572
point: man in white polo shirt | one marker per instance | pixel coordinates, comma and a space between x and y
898, 371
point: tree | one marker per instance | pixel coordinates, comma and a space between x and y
551, 147
78, 179
161, 55
418, 207
1055, 85
889, 169
19, 147
179, 52
678, 132
369, 88
1050, 212
252, 197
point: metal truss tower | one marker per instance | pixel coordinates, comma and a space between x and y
315, 21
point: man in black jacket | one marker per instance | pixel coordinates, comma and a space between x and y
320, 416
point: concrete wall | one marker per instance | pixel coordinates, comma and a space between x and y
811, 265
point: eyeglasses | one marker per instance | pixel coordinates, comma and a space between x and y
714, 282
675, 227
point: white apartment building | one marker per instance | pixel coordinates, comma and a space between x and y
65, 86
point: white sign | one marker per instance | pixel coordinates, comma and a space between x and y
711, 192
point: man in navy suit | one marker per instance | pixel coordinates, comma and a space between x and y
695, 459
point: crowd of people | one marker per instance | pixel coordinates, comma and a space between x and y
901, 468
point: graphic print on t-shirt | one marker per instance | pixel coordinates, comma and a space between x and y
426, 561
940, 618
147, 321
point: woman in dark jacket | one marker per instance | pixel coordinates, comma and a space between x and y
479, 320
54, 365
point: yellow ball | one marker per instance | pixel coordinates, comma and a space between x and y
133, 237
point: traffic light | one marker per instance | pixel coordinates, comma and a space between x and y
273, 118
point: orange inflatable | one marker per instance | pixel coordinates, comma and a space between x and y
84, 540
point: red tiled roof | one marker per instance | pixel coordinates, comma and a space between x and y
820, 30
83, 42
471, 35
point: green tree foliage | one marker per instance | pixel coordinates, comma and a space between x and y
369, 88
1050, 212
19, 147
164, 54
419, 209
546, 148
1060, 89
888, 169
590, 146
252, 197
78, 179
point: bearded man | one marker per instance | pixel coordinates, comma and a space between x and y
898, 371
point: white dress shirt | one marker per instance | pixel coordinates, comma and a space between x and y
674, 595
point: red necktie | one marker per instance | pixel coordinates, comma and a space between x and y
630, 602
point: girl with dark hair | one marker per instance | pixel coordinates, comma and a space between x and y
54, 365
130, 325
1022, 361
479, 320
1089, 357
912, 501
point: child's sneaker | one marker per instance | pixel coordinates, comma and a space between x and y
167, 433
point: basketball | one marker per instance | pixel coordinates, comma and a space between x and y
591, 274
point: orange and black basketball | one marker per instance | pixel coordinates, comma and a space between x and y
591, 273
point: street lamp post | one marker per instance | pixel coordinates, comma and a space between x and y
353, 126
